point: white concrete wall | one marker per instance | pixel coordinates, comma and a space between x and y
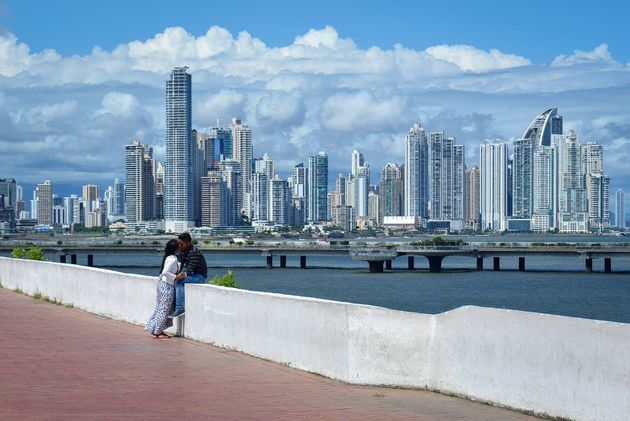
559, 366
112, 294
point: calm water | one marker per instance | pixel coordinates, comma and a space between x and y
556, 285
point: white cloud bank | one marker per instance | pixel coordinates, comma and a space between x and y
73, 115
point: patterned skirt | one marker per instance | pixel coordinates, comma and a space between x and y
164, 305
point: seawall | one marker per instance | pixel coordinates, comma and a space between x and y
545, 364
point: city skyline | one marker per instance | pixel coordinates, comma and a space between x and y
322, 91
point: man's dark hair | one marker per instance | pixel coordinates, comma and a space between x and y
184, 236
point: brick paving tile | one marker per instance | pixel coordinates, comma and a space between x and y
67, 364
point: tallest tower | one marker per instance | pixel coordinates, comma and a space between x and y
178, 191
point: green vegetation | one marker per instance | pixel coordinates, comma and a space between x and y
32, 253
37, 295
439, 241
35, 253
59, 242
227, 280
18, 253
194, 242
18, 290
249, 242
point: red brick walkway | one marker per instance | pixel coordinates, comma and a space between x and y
62, 363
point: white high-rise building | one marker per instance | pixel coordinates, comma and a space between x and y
572, 215
280, 202
545, 189
178, 171
357, 161
243, 153
620, 210
416, 172
436, 161
230, 169
260, 197
361, 187
493, 186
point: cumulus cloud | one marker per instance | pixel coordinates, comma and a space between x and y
362, 111
600, 54
469, 58
222, 105
281, 108
70, 117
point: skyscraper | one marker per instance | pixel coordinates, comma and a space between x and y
573, 216
357, 161
213, 200
230, 170
279, 201
178, 186
317, 198
543, 127
416, 172
119, 198
522, 170
471, 214
8, 189
459, 186
260, 197
361, 189
392, 190
493, 186
139, 182
620, 211
44, 203
299, 192
544, 189
436, 144
243, 153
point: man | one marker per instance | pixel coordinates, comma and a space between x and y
193, 265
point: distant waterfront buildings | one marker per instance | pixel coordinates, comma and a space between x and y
243, 153
392, 190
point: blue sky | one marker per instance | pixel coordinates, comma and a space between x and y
536, 29
80, 79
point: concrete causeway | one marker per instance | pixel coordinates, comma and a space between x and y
65, 363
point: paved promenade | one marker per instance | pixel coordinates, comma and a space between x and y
64, 363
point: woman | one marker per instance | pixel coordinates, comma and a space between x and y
165, 303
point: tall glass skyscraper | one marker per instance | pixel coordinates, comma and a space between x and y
620, 212
317, 184
416, 172
178, 186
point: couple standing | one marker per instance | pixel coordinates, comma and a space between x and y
182, 264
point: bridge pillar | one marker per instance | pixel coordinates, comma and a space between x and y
607, 265
302, 262
283, 261
589, 265
270, 262
410, 262
435, 263
62, 258
376, 266
73, 259
388, 264
496, 260
521, 264
479, 263
90, 260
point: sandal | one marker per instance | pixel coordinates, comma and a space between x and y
161, 336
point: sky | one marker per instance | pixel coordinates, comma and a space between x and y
79, 80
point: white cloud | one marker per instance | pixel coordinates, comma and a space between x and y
469, 58
600, 54
362, 111
281, 108
320, 92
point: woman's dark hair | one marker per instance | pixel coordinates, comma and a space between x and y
169, 250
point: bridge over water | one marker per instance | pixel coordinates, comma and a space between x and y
378, 257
